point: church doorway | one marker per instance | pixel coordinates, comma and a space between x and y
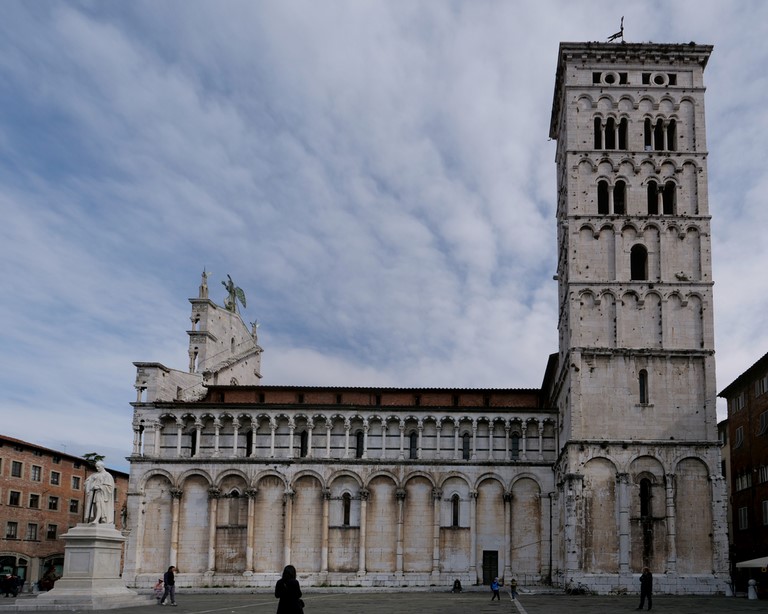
490, 565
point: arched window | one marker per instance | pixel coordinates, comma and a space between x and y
645, 498
413, 445
672, 135
623, 124
234, 508
359, 441
643, 383
303, 443
638, 258
193, 442
455, 500
620, 198
647, 134
598, 133
653, 198
668, 198
658, 135
610, 133
602, 197
346, 502
514, 451
465, 451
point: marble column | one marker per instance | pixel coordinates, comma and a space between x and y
437, 496
400, 496
671, 517
324, 544
251, 493
473, 535
288, 526
364, 494
176, 494
624, 537
213, 510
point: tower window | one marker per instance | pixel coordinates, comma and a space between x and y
465, 454
668, 198
602, 198
672, 135
346, 503
643, 383
638, 263
658, 135
455, 511
610, 133
647, 135
653, 198
598, 133
623, 124
619, 197
645, 498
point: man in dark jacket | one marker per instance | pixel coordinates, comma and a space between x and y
170, 586
646, 587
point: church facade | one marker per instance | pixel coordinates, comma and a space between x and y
611, 465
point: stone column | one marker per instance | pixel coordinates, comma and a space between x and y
383, 439
439, 429
179, 434
473, 535
347, 427
420, 428
507, 497
671, 514
291, 431
158, 428
541, 440
507, 428
437, 496
236, 429
324, 545
310, 430
364, 494
251, 493
474, 439
136, 440
254, 431
328, 426
524, 441
213, 510
624, 537
491, 427
402, 439
365, 438
400, 496
272, 429
175, 504
720, 520
216, 433
198, 438
573, 519
288, 528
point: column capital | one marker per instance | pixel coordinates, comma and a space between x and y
622, 478
326, 494
288, 495
364, 494
176, 493
251, 493
473, 494
214, 492
400, 494
507, 496
437, 493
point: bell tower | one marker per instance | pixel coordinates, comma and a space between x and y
638, 474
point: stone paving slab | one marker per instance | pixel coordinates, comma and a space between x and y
422, 602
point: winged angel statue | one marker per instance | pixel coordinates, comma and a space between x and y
234, 294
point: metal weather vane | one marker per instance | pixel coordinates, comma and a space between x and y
619, 34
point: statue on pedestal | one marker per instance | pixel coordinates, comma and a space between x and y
100, 497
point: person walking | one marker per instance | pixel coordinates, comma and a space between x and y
646, 587
495, 589
288, 591
513, 588
169, 579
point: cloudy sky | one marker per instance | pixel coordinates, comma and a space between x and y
377, 177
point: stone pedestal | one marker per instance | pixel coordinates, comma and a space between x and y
91, 578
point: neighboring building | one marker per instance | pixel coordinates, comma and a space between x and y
747, 425
42, 495
612, 465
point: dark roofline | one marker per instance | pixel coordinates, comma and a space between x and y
372, 388
760, 364
34, 446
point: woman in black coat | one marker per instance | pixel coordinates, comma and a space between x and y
288, 591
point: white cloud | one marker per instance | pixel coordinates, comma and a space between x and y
377, 176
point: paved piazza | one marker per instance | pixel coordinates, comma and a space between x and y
424, 602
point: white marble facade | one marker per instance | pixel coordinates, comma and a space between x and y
611, 465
